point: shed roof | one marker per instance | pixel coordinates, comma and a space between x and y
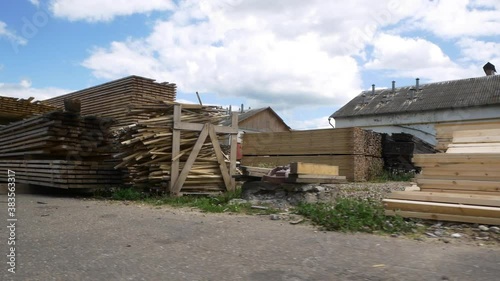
252, 112
469, 92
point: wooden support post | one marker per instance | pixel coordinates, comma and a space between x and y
176, 142
233, 152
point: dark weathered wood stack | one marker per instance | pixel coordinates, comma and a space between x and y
147, 147
398, 150
14, 109
357, 152
59, 149
112, 99
460, 185
55, 135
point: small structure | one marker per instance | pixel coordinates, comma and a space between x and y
417, 109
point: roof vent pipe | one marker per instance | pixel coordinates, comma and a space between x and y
373, 89
417, 84
393, 86
489, 69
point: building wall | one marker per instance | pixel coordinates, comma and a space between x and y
419, 124
264, 121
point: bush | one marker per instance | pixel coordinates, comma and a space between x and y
350, 215
127, 194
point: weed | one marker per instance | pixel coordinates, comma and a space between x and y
127, 194
351, 215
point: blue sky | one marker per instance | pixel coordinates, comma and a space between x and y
303, 58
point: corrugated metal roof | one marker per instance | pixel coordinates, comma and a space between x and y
441, 95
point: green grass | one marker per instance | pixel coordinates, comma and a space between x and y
386, 176
354, 215
209, 204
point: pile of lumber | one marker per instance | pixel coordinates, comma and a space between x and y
462, 184
314, 173
444, 131
62, 173
113, 99
357, 152
14, 109
146, 147
398, 150
57, 135
59, 149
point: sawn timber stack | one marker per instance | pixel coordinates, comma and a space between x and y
14, 109
59, 149
357, 152
460, 185
113, 99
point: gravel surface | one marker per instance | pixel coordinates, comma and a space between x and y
372, 190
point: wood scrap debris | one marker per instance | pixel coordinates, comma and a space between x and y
146, 147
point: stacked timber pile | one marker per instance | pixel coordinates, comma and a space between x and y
59, 149
14, 109
462, 184
357, 152
444, 131
398, 150
112, 99
147, 147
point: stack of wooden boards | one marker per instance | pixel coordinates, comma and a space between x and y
59, 149
462, 184
147, 147
355, 151
444, 131
113, 99
14, 109
314, 173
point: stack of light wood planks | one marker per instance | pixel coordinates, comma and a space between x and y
147, 147
444, 131
314, 173
462, 184
14, 109
59, 149
112, 99
357, 152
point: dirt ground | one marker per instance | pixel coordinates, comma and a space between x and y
60, 238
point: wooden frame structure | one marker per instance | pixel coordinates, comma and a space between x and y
177, 177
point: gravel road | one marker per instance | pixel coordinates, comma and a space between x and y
61, 238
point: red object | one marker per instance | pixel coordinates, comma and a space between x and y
239, 152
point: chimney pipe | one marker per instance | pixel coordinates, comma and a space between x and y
489, 69
393, 86
417, 84
373, 89
242, 109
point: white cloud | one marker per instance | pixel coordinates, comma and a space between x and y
457, 18
480, 51
105, 10
24, 89
35, 2
414, 57
11, 35
314, 123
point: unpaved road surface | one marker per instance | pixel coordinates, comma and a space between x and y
80, 239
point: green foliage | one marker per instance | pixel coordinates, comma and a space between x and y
351, 215
386, 176
127, 194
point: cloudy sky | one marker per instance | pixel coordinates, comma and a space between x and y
303, 58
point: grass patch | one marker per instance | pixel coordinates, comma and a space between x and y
386, 176
354, 215
210, 204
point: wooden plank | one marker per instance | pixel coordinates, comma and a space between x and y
220, 158
442, 197
176, 139
313, 169
192, 158
441, 208
198, 127
327, 180
233, 150
444, 217
456, 184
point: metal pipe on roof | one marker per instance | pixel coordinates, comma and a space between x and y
373, 89
393, 86
417, 82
